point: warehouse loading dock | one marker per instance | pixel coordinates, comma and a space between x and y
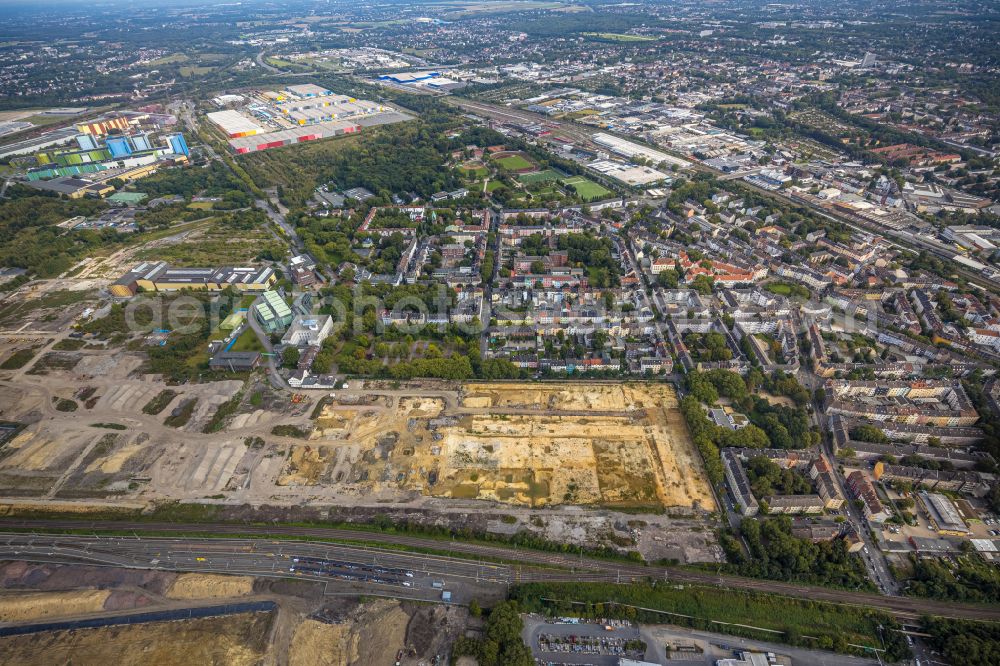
250, 144
299, 113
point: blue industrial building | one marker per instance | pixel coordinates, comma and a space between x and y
86, 142
119, 146
178, 145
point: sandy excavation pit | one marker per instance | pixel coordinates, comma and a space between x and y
535, 445
613, 444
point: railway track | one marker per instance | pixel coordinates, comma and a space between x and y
526, 565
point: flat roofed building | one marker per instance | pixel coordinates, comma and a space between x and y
234, 123
242, 144
235, 361
932, 545
943, 514
308, 90
159, 276
73, 187
272, 312
308, 330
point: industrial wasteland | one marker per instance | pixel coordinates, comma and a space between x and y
500, 333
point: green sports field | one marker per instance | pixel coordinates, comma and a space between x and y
539, 176
587, 190
514, 163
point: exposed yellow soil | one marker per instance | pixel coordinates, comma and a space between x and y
209, 586
234, 640
574, 443
319, 644
305, 465
370, 637
25, 606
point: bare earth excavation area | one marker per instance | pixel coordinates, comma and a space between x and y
611, 445
603, 444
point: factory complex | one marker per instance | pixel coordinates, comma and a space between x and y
125, 145
260, 120
159, 276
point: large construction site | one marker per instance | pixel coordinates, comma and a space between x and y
611, 445
89, 428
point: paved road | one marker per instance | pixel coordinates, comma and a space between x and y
406, 574
259, 59
574, 569
277, 381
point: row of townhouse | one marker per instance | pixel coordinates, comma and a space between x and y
916, 444
822, 366
802, 274
827, 495
973, 483
861, 488
676, 328
924, 402
782, 330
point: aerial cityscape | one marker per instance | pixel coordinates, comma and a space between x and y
500, 333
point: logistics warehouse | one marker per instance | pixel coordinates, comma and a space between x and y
295, 114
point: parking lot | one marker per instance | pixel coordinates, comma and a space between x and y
552, 643
582, 643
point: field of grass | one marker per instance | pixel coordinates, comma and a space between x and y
618, 37
786, 289
159, 402
514, 163
473, 171
583, 113
539, 176
168, 60
195, 70
247, 342
586, 189
278, 62
18, 359
216, 244
183, 415
45, 119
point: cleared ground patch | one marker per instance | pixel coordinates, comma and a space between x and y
32, 606
615, 445
209, 586
235, 640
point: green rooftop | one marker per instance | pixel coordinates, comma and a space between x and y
127, 197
